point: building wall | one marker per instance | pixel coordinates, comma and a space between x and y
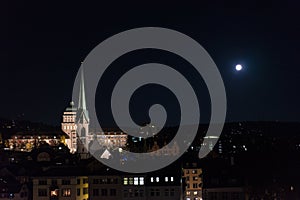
105, 187
56, 188
228, 193
69, 127
133, 187
193, 182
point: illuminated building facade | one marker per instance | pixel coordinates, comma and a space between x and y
26, 141
55, 188
152, 186
76, 125
193, 182
69, 126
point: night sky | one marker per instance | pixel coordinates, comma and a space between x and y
42, 46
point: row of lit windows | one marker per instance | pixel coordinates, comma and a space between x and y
69, 127
66, 192
167, 179
195, 193
133, 181
69, 118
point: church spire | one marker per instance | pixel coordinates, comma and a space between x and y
82, 101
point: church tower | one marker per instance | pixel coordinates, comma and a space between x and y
69, 126
82, 122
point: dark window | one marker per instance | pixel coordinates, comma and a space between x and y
157, 192
95, 181
54, 182
152, 192
113, 192
125, 193
78, 181
66, 182
103, 192
172, 192
85, 190
166, 192
43, 182
85, 180
78, 191
95, 192
136, 193
130, 193
42, 192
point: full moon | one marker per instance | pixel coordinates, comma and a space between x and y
238, 67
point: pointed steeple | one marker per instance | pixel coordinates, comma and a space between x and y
83, 113
82, 103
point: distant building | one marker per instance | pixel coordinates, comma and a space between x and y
69, 126
76, 124
27, 140
13, 186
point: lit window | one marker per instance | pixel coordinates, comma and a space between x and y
125, 181
66, 192
195, 193
141, 180
188, 193
136, 180
130, 181
172, 179
54, 193
166, 179
157, 179
152, 179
